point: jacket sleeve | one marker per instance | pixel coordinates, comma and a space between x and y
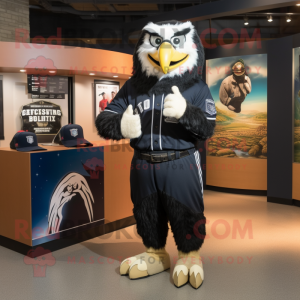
223, 93
248, 84
108, 122
200, 115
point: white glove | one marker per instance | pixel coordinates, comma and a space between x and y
130, 124
174, 104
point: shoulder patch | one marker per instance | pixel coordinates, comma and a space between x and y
140, 106
210, 107
146, 104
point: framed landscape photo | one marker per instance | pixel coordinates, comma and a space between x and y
104, 92
241, 124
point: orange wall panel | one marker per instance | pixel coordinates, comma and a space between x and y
296, 181
236, 173
117, 200
77, 60
15, 187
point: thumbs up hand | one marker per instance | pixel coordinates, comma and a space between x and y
174, 104
130, 124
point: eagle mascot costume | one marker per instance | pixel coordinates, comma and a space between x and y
164, 109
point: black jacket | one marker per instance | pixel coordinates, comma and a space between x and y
159, 132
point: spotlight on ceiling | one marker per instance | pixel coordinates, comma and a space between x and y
92, 74
288, 18
298, 4
270, 18
246, 21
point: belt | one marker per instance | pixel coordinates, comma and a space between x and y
154, 157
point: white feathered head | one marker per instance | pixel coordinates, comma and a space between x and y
170, 52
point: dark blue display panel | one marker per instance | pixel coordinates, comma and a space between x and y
67, 192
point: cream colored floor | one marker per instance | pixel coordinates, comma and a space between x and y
264, 264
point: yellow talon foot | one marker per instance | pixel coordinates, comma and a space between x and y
196, 275
195, 281
124, 269
151, 262
180, 279
125, 265
188, 268
135, 273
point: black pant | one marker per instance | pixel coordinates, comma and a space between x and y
169, 191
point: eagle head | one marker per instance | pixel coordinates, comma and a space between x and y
168, 52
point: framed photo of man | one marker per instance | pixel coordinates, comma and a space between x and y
104, 91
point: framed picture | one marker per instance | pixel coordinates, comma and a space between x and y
241, 125
1, 110
41, 117
296, 105
104, 92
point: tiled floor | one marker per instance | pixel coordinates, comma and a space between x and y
261, 263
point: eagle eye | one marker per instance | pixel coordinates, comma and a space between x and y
178, 41
155, 41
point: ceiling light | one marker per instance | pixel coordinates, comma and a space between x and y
270, 18
92, 74
115, 76
22, 71
298, 4
246, 21
52, 72
288, 18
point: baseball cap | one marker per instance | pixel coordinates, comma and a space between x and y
72, 135
25, 141
239, 68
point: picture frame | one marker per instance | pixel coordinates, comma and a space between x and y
241, 125
1, 110
104, 93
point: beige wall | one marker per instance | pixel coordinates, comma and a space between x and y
15, 95
84, 104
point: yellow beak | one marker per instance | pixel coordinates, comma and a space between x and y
166, 52
167, 57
